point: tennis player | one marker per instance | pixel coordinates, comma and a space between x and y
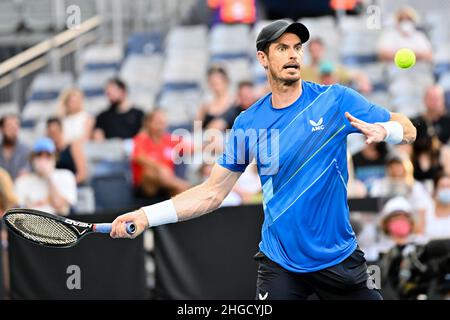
308, 245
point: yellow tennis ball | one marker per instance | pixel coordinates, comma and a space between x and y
405, 58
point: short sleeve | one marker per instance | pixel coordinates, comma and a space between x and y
236, 152
67, 185
359, 107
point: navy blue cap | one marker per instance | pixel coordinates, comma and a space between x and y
274, 30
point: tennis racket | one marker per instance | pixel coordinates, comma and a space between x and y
51, 230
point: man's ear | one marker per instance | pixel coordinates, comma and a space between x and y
262, 58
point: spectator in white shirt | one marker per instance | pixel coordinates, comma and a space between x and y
400, 182
405, 35
77, 122
436, 222
46, 188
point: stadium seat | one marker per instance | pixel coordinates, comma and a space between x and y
141, 43
39, 110
95, 104
358, 43
237, 69
9, 108
10, 17
111, 150
100, 57
48, 86
39, 15
93, 82
187, 38
142, 72
181, 106
85, 200
229, 39
191, 69
113, 192
444, 81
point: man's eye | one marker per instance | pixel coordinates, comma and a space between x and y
299, 48
281, 49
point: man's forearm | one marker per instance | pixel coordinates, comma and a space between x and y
196, 201
409, 131
187, 205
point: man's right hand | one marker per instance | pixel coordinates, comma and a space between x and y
138, 217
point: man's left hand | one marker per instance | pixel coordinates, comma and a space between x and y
373, 132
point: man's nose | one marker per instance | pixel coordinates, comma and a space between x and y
293, 54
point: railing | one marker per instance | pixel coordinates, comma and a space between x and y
17, 72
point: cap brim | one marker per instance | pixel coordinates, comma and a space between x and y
296, 28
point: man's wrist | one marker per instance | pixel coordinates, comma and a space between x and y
394, 131
161, 213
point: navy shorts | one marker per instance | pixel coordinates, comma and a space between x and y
346, 280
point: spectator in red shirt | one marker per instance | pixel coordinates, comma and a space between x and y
152, 158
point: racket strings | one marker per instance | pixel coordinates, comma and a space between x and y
42, 229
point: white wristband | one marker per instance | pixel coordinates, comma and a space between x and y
394, 131
161, 213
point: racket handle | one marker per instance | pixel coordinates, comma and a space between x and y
106, 228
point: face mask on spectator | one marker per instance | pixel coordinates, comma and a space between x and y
399, 227
43, 166
407, 26
443, 196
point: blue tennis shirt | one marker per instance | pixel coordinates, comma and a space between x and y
301, 154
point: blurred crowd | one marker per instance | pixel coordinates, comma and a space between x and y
413, 180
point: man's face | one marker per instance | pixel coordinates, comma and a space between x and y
10, 129
396, 170
156, 123
246, 96
316, 50
217, 82
434, 99
114, 93
284, 58
54, 131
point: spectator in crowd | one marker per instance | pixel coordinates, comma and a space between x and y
429, 158
370, 163
77, 123
121, 120
355, 187
397, 222
400, 182
8, 199
153, 158
70, 156
405, 35
434, 121
436, 222
221, 100
233, 11
13, 154
327, 73
46, 188
247, 189
341, 74
246, 96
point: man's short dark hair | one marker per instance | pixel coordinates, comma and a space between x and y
245, 83
119, 83
317, 40
218, 69
54, 120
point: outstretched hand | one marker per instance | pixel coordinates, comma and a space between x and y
374, 132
